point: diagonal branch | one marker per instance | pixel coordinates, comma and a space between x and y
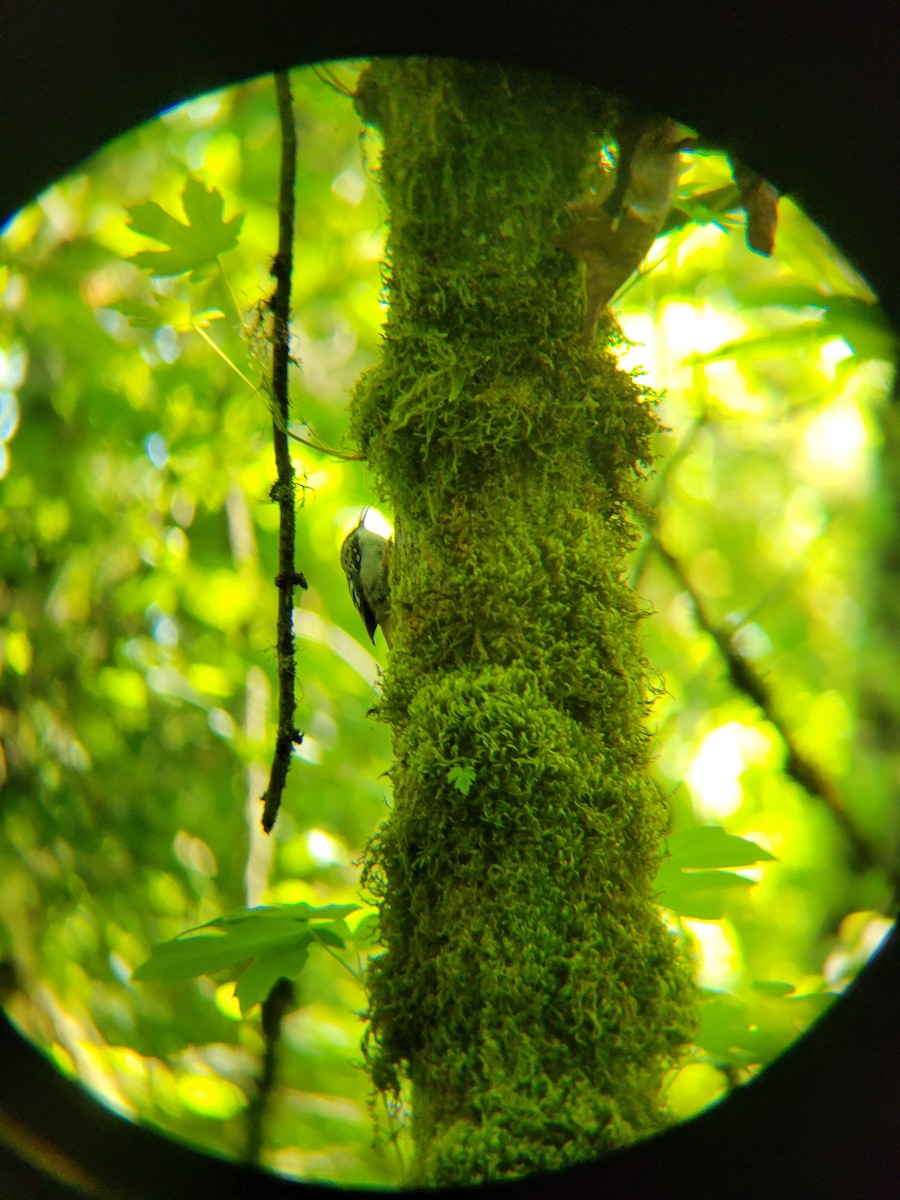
798, 766
288, 577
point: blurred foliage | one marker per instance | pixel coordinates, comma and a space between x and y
137, 618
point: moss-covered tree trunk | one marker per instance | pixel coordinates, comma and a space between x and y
530, 990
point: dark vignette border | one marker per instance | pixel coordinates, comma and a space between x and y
812, 104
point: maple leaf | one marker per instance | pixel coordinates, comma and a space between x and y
192, 247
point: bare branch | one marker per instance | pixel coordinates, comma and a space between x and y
288, 577
798, 765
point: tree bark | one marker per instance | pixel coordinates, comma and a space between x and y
530, 991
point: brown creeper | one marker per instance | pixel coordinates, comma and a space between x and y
366, 558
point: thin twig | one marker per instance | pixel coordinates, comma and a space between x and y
325, 75
288, 576
317, 445
213, 345
323, 449
279, 1002
394, 1132
797, 765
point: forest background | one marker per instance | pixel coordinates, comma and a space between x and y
138, 548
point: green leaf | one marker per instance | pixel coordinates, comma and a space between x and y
141, 316
736, 1032
862, 325
189, 247
168, 310
188, 955
725, 1030
367, 930
772, 987
784, 341
301, 911
255, 983
702, 895
814, 1004
782, 293
211, 950
711, 846
462, 778
267, 939
689, 880
328, 936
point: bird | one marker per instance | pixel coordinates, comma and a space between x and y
366, 558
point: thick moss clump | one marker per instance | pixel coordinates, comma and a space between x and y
529, 989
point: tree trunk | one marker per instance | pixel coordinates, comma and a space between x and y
529, 991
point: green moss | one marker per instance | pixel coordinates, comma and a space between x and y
529, 991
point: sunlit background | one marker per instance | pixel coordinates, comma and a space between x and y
138, 546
